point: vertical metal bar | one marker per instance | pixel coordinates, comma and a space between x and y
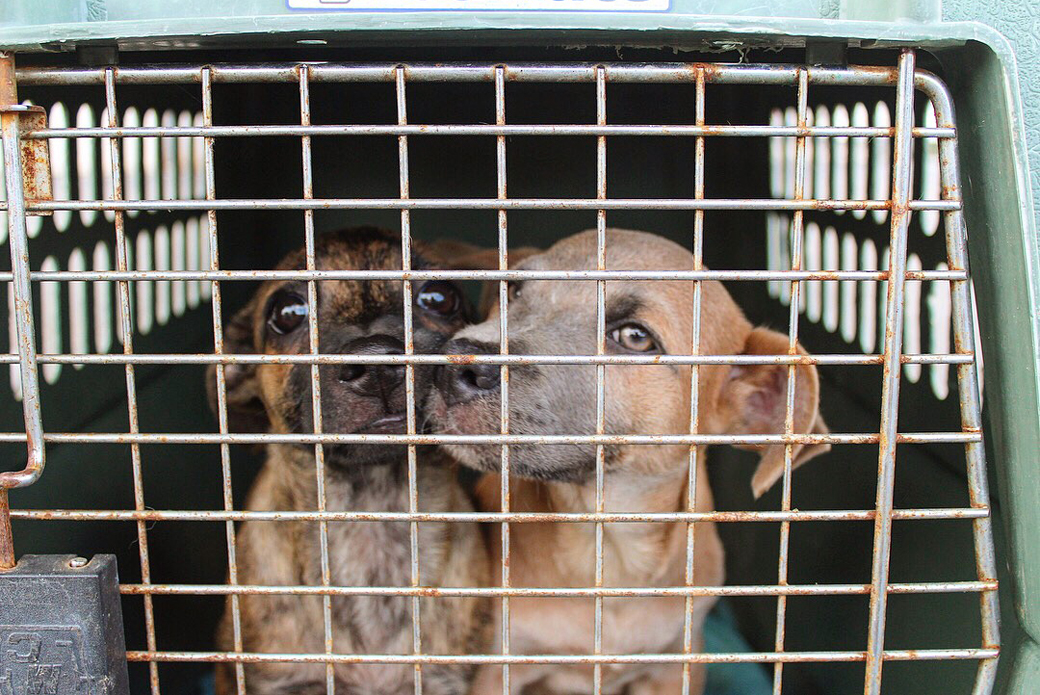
503, 348
126, 328
695, 379
797, 236
218, 348
601, 345
6, 538
25, 327
409, 348
901, 190
968, 390
315, 348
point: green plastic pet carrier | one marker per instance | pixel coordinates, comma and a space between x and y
837, 165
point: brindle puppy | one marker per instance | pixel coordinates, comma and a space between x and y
559, 318
354, 317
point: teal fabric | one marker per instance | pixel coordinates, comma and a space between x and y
720, 635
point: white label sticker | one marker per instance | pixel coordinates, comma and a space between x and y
506, 5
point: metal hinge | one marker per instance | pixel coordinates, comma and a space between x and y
35, 154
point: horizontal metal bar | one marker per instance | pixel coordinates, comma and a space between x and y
700, 658
324, 72
935, 514
554, 592
485, 129
484, 204
492, 439
482, 275
511, 359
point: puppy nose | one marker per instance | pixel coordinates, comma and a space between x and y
372, 379
464, 382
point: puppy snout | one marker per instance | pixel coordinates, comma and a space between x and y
460, 383
373, 379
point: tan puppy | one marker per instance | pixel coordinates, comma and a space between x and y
641, 318
358, 318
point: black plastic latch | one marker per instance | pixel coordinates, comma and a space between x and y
61, 627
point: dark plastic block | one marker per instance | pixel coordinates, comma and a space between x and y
61, 627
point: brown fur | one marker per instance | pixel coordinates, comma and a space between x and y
360, 477
560, 318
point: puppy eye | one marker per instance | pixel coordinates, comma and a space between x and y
439, 298
515, 289
288, 310
634, 337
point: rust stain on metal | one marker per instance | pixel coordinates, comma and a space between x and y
36, 158
711, 71
8, 87
428, 591
462, 359
6, 539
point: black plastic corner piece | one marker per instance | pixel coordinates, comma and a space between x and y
830, 53
61, 627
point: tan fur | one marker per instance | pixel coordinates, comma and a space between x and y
373, 554
650, 479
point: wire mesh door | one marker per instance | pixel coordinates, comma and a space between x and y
206, 201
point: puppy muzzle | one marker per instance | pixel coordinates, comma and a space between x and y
460, 383
377, 380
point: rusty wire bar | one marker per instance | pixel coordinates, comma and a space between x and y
499, 130
968, 386
409, 349
591, 204
315, 347
512, 359
126, 336
559, 592
700, 658
7, 561
503, 348
695, 381
797, 233
900, 222
136, 438
497, 517
22, 292
489, 275
601, 348
576, 72
222, 413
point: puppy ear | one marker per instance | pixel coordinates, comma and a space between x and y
245, 410
755, 399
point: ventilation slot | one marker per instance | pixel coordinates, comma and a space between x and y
145, 305
178, 299
930, 186
61, 171
162, 287
86, 164
79, 327
859, 159
169, 158
191, 236
149, 159
132, 160
103, 311
50, 320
